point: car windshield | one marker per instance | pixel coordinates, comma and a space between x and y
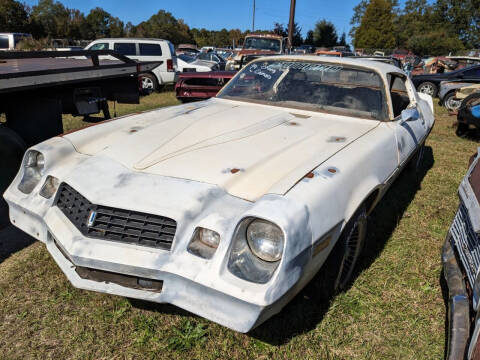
186, 58
308, 85
262, 44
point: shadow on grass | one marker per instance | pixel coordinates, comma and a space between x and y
308, 308
13, 240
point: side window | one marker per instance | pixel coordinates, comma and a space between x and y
203, 56
3, 41
399, 94
99, 46
150, 49
125, 48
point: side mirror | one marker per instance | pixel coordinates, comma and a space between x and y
410, 115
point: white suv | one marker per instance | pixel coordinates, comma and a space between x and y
145, 50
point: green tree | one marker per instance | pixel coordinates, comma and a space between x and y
309, 38
324, 34
165, 26
52, 19
376, 28
428, 44
461, 17
358, 12
13, 16
343, 40
101, 24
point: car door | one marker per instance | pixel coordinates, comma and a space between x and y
409, 134
472, 74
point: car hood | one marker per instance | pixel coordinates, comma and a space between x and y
246, 149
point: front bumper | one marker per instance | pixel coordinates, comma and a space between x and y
204, 287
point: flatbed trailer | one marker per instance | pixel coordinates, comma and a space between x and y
36, 88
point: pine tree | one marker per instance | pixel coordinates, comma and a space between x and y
376, 29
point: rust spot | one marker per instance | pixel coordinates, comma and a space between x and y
133, 130
38, 234
332, 170
310, 175
13, 221
293, 123
234, 170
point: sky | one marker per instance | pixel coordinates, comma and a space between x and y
218, 14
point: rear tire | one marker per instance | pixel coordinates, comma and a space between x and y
149, 83
415, 163
428, 88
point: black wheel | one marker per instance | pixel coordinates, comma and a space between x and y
415, 163
451, 103
12, 148
337, 272
428, 88
462, 129
148, 83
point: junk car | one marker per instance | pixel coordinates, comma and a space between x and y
461, 268
430, 83
228, 207
201, 86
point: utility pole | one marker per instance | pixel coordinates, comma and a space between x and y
291, 23
253, 19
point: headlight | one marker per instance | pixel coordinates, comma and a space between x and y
257, 248
33, 165
49, 187
204, 243
265, 240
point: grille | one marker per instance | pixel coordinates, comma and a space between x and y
467, 243
107, 223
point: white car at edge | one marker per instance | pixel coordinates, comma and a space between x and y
229, 206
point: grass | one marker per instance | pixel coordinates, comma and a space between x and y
395, 308
152, 101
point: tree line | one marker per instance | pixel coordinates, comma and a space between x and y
51, 19
424, 27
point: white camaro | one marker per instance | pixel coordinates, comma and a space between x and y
227, 207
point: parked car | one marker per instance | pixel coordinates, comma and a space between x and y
188, 49
447, 94
430, 83
214, 57
461, 265
469, 112
9, 41
385, 59
228, 207
334, 53
145, 50
255, 46
201, 86
187, 63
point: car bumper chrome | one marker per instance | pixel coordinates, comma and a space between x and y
458, 304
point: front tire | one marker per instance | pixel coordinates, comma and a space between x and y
337, 272
450, 103
428, 88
